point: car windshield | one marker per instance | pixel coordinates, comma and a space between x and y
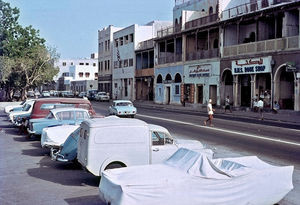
161, 138
26, 107
124, 104
23, 102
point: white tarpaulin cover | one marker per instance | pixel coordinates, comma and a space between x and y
56, 136
189, 177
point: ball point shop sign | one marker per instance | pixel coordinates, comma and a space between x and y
251, 65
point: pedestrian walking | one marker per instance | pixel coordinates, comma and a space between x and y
260, 105
227, 104
210, 112
276, 107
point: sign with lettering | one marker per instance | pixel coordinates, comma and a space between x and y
251, 65
203, 70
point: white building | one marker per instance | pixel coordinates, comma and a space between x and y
75, 70
105, 65
126, 42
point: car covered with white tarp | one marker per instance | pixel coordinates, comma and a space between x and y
190, 177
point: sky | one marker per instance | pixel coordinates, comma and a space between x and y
71, 26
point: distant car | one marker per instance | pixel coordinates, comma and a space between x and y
37, 93
82, 94
123, 108
102, 96
30, 94
45, 94
91, 94
58, 116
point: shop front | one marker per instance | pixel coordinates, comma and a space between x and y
201, 82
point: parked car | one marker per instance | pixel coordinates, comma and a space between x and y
190, 177
45, 94
42, 106
54, 137
37, 93
122, 108
102, 96
82, 94
58, 116
116, 142
30, 94
16, 117
17, 106
91, 94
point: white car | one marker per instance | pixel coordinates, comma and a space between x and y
122, 108
19, 106
46, 94
57, 135
102, 96
190, 177
25, 112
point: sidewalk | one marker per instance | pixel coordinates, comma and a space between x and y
284, 116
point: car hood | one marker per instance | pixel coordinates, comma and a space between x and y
57, 135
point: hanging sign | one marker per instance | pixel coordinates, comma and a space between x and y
203, 70
251, 65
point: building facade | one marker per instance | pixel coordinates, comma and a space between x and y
105, 58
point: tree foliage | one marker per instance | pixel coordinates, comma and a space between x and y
25, 61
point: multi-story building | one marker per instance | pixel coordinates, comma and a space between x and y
76, 70
126, 41
105, 62
230, 48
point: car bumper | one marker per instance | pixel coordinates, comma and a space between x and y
31, 131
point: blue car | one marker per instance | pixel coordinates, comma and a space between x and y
68, 152
58, 116
122, 108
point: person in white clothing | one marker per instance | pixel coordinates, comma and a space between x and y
260, 105
210, 112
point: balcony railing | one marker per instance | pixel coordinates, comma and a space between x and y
249, 7
202, 54
170, 58
145, 45
201, 21
168, 31
279, 44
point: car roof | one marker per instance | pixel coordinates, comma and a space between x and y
69, 100
118, 101
55, 110
114, 121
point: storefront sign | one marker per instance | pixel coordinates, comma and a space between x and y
252, 66
200, 70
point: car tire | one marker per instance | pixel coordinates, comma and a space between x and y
114, 165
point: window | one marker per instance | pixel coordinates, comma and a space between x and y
120, 64
50, 116
108, 45
126, 63
121, 41
65, 115
116, 64
94, 64
87, 75
105, 65
86, 63
116, 42
176, 89
126, 39
72, 63
80, 115
116, 85
130, 62
108, 64
131, 38
64, 63
160, 138
159, 79
80, 74
105, 45
101, 65
81, 63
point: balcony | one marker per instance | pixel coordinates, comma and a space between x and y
202, 54
273, 45
170, 58
201, 21
168, 31
145, 45
249, 7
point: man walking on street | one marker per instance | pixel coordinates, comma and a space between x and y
260, 105
227, 104
210, 111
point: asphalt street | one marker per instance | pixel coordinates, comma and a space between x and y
28, 176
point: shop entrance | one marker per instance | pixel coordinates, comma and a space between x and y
245, 83
228, 85
200, 94
286, 97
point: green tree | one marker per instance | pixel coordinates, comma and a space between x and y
25, 60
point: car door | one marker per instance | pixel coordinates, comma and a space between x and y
162, 146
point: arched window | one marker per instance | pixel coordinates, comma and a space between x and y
211, 10
168, 77
178, 78
159, 79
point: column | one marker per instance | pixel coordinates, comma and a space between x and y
235, 90
183, 47
253, 83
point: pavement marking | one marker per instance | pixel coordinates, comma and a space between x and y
224, 130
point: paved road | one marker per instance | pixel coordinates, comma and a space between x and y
28, 176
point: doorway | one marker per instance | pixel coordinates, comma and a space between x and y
245, 90
168, 96
200, 94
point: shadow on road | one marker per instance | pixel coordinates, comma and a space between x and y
72, 173
91, 200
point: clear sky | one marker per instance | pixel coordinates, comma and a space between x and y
72, 25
